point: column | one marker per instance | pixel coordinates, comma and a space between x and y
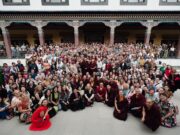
149, 24
112, 33
76, 35
39, 24
178, 45
148, 35
41, 35
75, 24
178, 48
7, 41
112, 25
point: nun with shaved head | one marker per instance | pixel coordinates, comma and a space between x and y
151, 115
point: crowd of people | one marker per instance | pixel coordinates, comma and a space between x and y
167, 51
19, 51
61, 77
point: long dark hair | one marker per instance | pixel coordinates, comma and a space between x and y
43, 101
2, 101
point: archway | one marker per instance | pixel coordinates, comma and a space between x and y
167, 35
94, 32
130, 32
58, 32
22, 33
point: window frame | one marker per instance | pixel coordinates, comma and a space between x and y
44, 3
94, 3
161, 3
133, 3
16, 4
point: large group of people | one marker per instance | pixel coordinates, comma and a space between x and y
61, 77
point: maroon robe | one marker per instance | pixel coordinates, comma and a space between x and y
84, 67
100, 94
109, 67
78, 104
93, 67
152, 117
111, 94
113, 85
123, 107
87, 67
137, 102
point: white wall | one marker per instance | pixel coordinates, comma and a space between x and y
172, 62
75, 5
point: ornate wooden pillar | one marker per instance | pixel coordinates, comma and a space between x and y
149, 25
6, 38
76, 24
112, 24
41, 35
178, 48
112, 35
148, 35
76, 35
39, 25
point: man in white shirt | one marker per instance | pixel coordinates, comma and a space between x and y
99, 64
172, 51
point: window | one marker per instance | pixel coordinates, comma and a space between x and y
94, 2
16, 2
169, 2
55, 2
133, 2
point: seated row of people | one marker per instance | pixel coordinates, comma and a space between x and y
151, 112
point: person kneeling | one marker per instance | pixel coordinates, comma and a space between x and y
110, 96
137, 102
121, 107
151, 115
24, 109
40, 118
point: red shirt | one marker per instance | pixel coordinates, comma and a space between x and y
101, 91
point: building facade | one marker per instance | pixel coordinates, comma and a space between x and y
85, 21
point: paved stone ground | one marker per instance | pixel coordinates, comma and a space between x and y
96, 120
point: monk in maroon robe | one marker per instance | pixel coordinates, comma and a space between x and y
100, 93
110, 96
87, 66
93, 67
113, 84
151, 115
137, 102
121, 107
82, 66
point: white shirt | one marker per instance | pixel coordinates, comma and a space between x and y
172, 49
99, 64
39, 67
